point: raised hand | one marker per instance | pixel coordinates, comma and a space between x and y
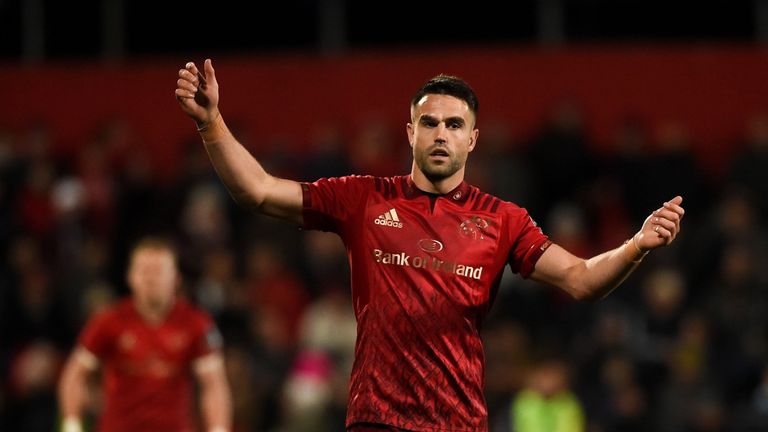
662, 226
198, 94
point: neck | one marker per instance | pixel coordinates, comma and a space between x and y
153, 313
437, 186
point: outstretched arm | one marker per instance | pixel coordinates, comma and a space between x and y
246, 180
596, 277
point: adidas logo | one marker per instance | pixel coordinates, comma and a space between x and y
389, 219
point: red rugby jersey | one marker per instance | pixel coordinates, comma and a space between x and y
425, 269
147, 375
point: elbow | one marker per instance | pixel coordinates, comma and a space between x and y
589, 296
582, 286
246, 201
253, 196
581, 291
574, 283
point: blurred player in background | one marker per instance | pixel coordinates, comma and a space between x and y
149, 347
426, 252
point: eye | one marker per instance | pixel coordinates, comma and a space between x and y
454, 124
428, 122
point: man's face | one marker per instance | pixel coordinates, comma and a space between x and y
441, 134
153, 277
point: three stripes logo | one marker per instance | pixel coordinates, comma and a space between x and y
389, 219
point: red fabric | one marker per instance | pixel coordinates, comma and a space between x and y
368, 427
425, 270
147, 369
697, 84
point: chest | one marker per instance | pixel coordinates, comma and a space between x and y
434, 235
139, 348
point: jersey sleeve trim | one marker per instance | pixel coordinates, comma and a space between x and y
208, 362
532, 257
306, 196
311, 218
86, 358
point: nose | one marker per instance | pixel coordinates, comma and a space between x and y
440, 133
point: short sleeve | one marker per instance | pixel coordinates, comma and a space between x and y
528, 243
96, 335
328, 202
207, 340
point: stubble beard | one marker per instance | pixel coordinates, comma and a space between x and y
437, 172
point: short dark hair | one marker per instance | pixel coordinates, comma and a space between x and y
448, 85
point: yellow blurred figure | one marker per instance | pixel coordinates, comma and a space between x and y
547, 404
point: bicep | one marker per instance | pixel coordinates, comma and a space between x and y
283, 199
209, 369
555, 267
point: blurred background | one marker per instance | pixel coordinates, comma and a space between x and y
592, 113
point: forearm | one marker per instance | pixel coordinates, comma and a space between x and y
244, 177
217, 408
598, 276
241, 173
587, 279
72, 397
215, 398
72, 393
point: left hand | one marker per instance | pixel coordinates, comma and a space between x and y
198, 93
662, 226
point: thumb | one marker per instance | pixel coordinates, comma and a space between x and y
210, 74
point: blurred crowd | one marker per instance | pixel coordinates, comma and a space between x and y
682, 346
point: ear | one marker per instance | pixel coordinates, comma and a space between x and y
409, 131
473, 139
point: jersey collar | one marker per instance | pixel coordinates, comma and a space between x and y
459, 194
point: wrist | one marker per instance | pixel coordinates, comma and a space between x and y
633, 251
211, 129
637, 246
71, 424
218, 429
